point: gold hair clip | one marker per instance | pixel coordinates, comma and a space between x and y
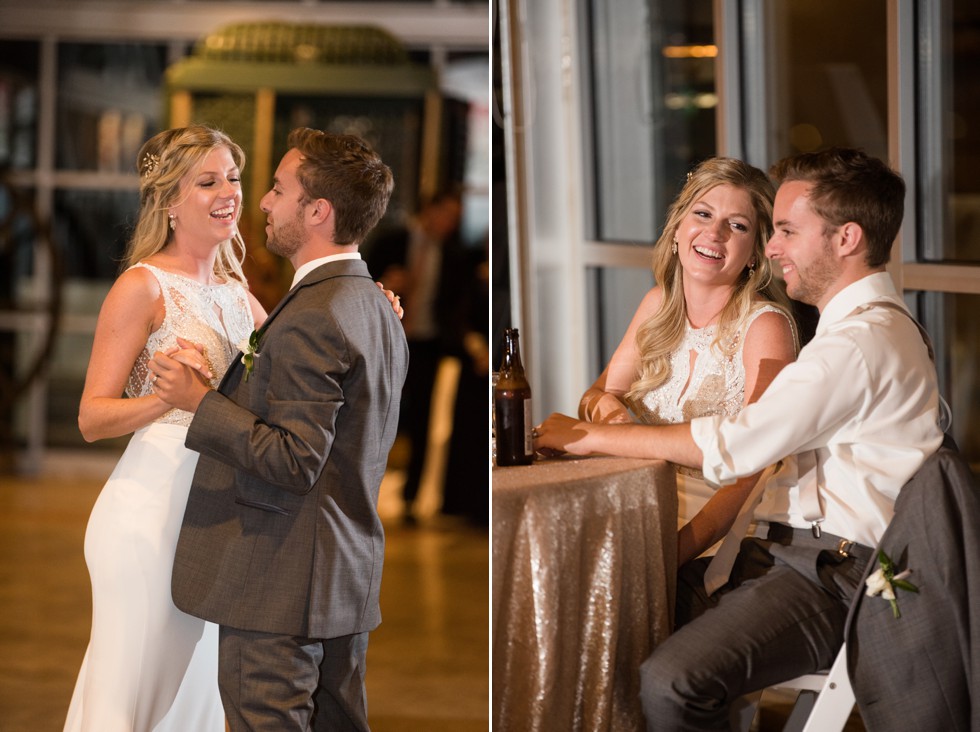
148, 164
690, 174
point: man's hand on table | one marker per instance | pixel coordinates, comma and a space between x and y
560, 434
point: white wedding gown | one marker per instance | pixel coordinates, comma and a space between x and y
703, 382
148, 665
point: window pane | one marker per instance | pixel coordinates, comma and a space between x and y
829, 86
91, 229
18, 237
66, 374
963, 243
952, 321
653, 99
612, 294
109, 103
18, 103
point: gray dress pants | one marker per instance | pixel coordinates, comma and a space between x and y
781, 615
279, 683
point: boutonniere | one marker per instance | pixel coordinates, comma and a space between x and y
250, 352
883, 581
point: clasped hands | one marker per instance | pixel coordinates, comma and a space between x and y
181, 376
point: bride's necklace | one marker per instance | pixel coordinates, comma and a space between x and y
709, 322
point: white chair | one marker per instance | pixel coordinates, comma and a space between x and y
824, 704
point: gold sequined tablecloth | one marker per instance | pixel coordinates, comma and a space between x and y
584, 574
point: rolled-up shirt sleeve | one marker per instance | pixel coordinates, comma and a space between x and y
808, 404
716, 462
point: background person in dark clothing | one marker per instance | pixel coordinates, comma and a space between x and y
419, 260
466, 489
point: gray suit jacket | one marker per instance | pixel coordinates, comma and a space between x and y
921, 671
281, 532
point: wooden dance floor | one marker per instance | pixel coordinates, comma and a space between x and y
428, 665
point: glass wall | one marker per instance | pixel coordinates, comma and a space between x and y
18, 104
828, 81
71, 154
653, 106
652, 113
108, 103
957, 133
620, 290
952, 322
946, 249
391, 126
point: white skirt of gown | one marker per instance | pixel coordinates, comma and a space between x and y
148, 666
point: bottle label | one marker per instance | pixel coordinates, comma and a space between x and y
528, 428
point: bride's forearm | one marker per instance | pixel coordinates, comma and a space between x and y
587, 403
696, 536
597, 405
100, 418
714, 520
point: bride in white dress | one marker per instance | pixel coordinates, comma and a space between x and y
709, 337
149, 666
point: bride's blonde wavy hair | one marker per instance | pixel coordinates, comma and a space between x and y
662, 333
163, 163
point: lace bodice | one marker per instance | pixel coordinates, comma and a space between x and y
216, 315
715, 384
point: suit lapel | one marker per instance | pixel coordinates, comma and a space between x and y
330, 270
229, 377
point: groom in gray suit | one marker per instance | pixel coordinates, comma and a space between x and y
281, 543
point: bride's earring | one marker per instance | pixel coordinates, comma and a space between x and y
673, 247
173, 222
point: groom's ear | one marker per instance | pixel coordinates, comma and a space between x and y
320, 211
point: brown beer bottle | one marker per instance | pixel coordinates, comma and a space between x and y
512, 406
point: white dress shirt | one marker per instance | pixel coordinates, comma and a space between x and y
305, 269
860, 405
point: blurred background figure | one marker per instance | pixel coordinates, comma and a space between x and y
423, 261
464, 487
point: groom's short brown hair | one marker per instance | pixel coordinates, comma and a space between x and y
347, 172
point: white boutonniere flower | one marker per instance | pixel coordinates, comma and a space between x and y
883, 581
250, 352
